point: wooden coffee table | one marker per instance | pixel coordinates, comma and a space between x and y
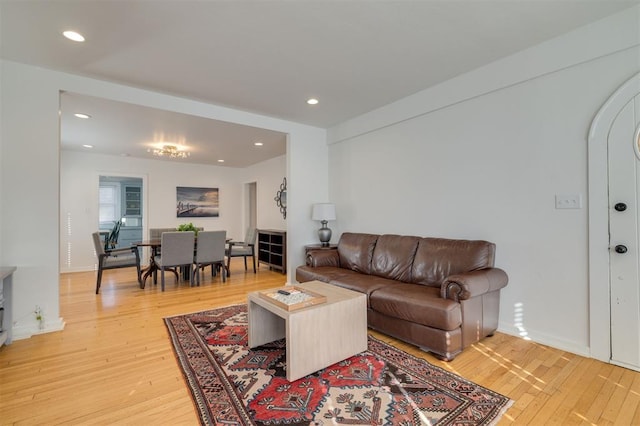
317, 336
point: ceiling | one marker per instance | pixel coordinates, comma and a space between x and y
118, 128
269, 57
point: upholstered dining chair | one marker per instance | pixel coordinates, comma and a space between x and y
177, 250
210, 251
116, 258
243, 249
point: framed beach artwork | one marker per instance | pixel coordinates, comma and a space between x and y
197, 202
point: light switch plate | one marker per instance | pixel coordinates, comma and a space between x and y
568, 201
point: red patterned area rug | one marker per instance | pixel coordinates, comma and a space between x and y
234, 385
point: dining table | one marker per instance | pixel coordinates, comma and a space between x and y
153, 268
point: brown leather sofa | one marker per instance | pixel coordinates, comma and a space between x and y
439, 294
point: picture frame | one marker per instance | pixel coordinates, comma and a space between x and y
197, 202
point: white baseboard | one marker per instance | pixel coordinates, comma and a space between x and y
78, 269
28, 330
546, 339
625, 365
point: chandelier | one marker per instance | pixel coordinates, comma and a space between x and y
170, 151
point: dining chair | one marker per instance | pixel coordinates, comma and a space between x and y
156, 233
243, 249
210, 250
117, 258
112, 240
177, 250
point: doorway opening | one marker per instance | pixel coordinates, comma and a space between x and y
121, 209
251, 201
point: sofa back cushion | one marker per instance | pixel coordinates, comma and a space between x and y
437, 258
393, 257
355, 251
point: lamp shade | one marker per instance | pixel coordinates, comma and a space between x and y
324, 211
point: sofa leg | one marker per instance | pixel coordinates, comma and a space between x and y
442, 357
439, 356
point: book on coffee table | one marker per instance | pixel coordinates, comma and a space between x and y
291, 298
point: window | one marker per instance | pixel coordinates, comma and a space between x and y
109, 203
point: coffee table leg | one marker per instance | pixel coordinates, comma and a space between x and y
317, 338
264, 326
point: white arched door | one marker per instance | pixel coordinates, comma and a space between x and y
614, 224
624, 186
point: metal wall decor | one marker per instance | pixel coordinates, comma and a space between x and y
281, 198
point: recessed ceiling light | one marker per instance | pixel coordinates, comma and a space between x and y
87, 146
258, 143
81, 115
220, 161
312, 101
72, 35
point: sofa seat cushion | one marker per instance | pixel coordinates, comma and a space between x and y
320, 273
417, 303
366, 284
343, 278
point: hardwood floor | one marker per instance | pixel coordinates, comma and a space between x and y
114, 364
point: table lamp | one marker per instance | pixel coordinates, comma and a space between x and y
324, 212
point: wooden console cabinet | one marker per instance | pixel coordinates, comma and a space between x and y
272, 249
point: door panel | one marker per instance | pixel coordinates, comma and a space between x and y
624, 183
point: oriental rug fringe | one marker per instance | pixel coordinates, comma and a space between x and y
234, 385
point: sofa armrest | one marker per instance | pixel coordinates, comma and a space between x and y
475, 283
316, 258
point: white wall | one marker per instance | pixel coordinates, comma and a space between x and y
487, 164
30, 195
79, 173
2, 263
268, 176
